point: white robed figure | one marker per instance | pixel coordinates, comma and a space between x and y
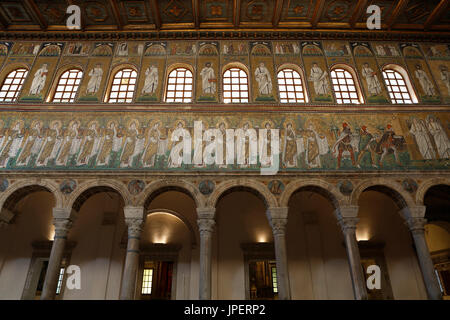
445, 77
246, 146
96, 75
208, 79
319, 78
423, 141
424, 81
151, 80
262, 76
440, 137
373, 85
39, 80
182, 149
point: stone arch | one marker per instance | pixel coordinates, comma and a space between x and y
28, 186
424, 186
392, 188
101, 185
157, 187
261, 190
322, 187
182, 218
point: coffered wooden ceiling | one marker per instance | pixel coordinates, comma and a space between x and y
225, 15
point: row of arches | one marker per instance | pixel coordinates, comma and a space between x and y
156, 187
236, 87
240, 220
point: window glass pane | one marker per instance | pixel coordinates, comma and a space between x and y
8, 92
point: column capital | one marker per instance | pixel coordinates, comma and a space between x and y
416, 225
346, 212
131, 212
206, 213
134, 227
348, 224
62, 227
206, 225
278, 225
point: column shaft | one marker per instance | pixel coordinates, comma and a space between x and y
130, 272
416, 226
348, 226
206, 227
284, 292
62, 227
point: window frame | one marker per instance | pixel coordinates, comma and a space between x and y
54, 91
301, 74
174, 68
406, 79
22, 81
354, 77
112, 77
243, 69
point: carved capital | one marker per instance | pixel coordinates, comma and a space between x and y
278, 225
206, 225
62, 227
348, 224
134, 227
416, 225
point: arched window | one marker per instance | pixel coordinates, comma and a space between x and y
290, 85
179, 85
12, 85
235, 86
67, 86
398, 85
123, 85
345, 86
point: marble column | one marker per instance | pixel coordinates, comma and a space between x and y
278, 222
134, 219
416, 224
62, 220
206, 224
347, 219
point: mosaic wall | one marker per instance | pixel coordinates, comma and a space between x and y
427, 65
144, 141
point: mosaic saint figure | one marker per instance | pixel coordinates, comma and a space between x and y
13, 142
96, 75
110, 134
262, 76
32, 144
265, 152
52, 143
316, 146
319, 79
90, 144
373, 85
424, 81
126, 158
419, 131
176, 153
208, 79
151, 80
70, 144
290, 147
440, 137
39, 79
153, 142
445, 77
